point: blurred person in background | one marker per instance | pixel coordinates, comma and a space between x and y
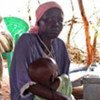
6, 45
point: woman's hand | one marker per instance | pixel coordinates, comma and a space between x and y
46, 93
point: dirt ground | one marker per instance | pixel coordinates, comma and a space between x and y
5, 83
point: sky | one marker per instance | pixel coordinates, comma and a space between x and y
19, 8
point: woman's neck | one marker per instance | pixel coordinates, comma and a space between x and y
45, 44
46, 41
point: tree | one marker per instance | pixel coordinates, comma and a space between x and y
90, 47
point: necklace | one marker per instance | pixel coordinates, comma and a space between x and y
49, 52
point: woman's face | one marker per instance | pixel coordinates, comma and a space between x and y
51, 23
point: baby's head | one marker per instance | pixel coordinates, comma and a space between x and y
43, 71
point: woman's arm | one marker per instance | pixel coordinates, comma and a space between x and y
47, 93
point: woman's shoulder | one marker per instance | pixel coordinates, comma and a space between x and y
59, 41
26, 39
27, 36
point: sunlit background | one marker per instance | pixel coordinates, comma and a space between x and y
25, 8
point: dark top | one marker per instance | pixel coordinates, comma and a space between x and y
28, 49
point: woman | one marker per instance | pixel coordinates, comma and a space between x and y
41, 42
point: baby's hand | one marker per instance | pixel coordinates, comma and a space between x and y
55, 84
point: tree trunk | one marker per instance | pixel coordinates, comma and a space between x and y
70, 30
90, 49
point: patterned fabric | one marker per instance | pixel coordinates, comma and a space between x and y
6, 45
65, 85
6, 42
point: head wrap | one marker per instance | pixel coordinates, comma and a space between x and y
40, 12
